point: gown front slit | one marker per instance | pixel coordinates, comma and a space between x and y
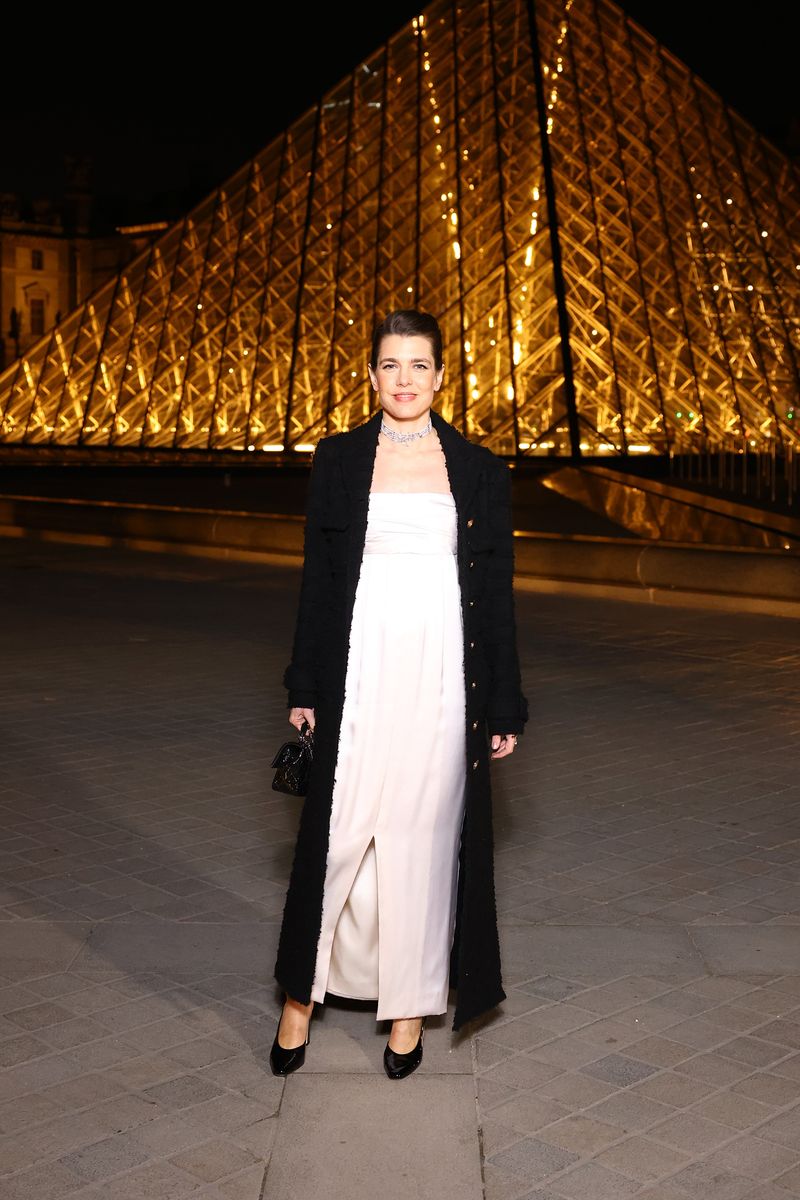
389, 900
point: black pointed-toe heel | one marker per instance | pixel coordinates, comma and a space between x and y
283, 1061
397, 1066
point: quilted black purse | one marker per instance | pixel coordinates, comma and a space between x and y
293, 762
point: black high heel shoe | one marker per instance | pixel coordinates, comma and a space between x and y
283, 1061
397, 1066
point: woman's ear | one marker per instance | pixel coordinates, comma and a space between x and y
438, 378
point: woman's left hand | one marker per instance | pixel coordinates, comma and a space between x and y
503, 744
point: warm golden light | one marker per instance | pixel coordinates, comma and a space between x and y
603, 289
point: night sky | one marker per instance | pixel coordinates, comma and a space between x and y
169, 107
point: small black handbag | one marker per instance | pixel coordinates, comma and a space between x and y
293, 761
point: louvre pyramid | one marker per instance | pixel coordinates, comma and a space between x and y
613, 254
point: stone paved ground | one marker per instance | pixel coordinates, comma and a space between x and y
648, 879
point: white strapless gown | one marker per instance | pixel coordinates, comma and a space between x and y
388, 914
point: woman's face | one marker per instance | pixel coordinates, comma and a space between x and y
405, 376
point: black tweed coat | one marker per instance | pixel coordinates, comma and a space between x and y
335, 532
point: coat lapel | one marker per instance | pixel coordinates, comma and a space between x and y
464, 468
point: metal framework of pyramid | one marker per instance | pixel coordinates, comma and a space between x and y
613, 255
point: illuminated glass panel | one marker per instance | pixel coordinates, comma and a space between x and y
613, 255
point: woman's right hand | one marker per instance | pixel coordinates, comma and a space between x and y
298, 715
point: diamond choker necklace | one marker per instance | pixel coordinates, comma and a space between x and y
394, 436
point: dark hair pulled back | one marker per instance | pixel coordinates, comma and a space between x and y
408, 322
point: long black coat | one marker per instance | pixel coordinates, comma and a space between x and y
335, 532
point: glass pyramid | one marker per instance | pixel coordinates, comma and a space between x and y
614, 257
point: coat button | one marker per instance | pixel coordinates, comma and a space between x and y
474, 724
475, 764
470, 522
473, 684
472, 645
471, 603
472, 564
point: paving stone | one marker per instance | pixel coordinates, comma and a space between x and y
143, 1071
580, 1133
66, 1132
769, 1089
46, 1181
323, 1119
489, 1053
754, 1157
230, 1112
768, 1002
784, 1129
551, 987
153, 1181
490, 1094
564, 1018
643, 1159
39, 1016
787, 983
30, 949
660, 1191
685, 1131
104, 1159
731, 1108
521, 1034
617, 1069
736, 950
676, 1090
258, 1138
533, 1159
622, 994
711, 1068
575, 1090
496, 1136
246, 1185
699, 1034
790, 1181
212, 1160
592, 1181
101, 1053
26, 1111
610, 1032
171, 1134
16, 1050
752, 1050
504, 1185
183, 1092
527, 1112
659, 1051
82, 1091
784, 1033
704, 1181
566, 1052
729, 1016
788, 1067
522, 1071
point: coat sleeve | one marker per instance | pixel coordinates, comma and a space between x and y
507, 707
300, 676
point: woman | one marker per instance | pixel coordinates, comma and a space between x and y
404, 657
